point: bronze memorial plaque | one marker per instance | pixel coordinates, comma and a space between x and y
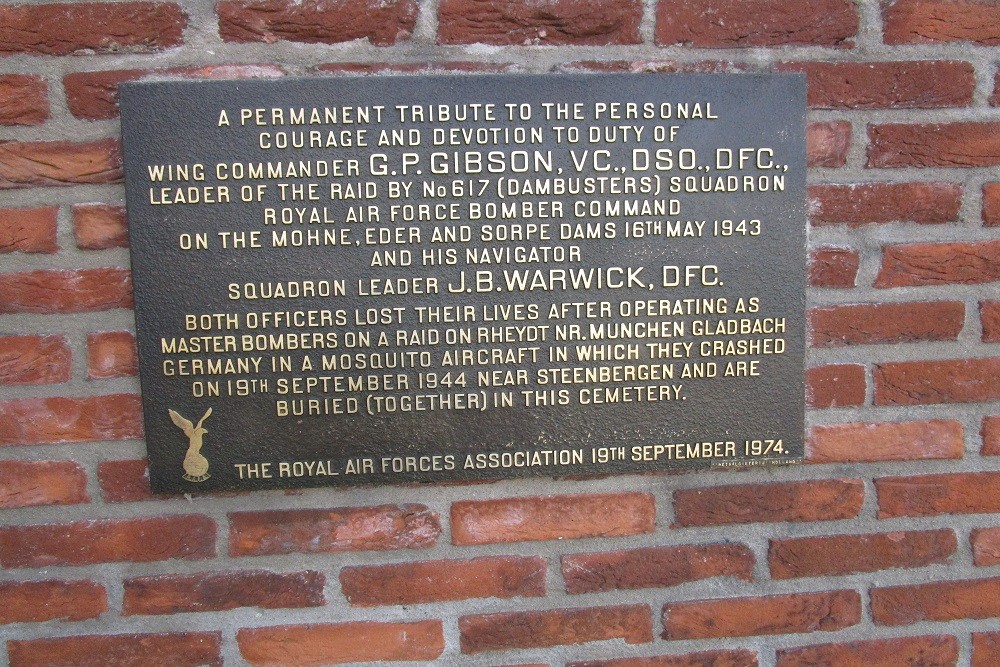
397, 279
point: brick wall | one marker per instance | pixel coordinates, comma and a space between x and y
881, 550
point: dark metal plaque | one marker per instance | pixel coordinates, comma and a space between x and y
398, 279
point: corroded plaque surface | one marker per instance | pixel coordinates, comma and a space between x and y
397, 279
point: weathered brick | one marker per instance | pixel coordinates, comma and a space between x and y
931, 495
53, 163
835, 386
827, 143
917, 264
939, 601
664, 66
94, 95
124, 481
65, 291
100, 226
991, 204
773, 615
111, 354
551, 518
554, 627
593, 22
29, 483
219, 591
59, 29
731, 23
833, 555
188, 536
874, 323
930, 651
886, 441
986, 546
721, 658
331, 530
932, 382
177, 649
37, 601
866, 203
914, 84
922, 21
437, 581
28, 229
833, 267
34, 360
817, 500
990, 433
971, 144
655, 567
338, 643
24, 100
38, 421
989, 317
425, 67
318, 21
985, 649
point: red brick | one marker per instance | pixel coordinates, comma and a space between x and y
111, 354
559, 22
65, 291
874, 323
985, 649
100, 226
94, 95
142, 540
932, 382
827, 143
437, 581
818, 500
835, 386
917, 264
923, 21
179, 649
991, 436
886, 441
430, 67
931, 495
317, 21
332, 530
723, 658
986, 546
38, 421
835, 555
554, 627
34, 360
865, 203
24, 100
51, 163
915, 84
731, 23
932, 651
125, 481
646, 66
934, 145
551, 518
991, 204
774, 615
833, 267
29, 483
28, 229
939, 601
655, 567
37, 601
337, 643
220, 591
989, 315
